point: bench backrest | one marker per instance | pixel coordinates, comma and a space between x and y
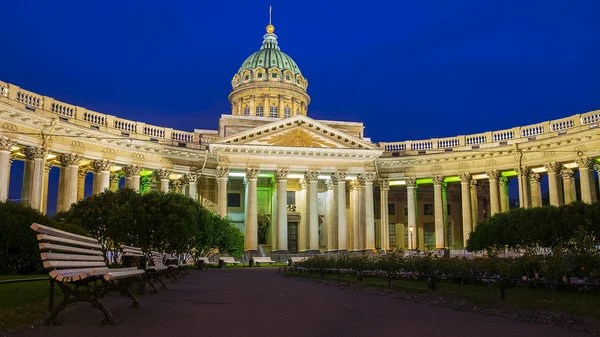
69, 257
227, 258
262, 259
132, 251
157, 258
297, 258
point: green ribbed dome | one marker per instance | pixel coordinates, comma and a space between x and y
270, 56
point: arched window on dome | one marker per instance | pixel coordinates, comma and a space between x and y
297, 112
273, 111
287, 112
260, 111
246, 111
259, 75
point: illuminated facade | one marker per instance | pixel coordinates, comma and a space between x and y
294, 184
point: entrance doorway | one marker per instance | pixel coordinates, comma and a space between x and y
293, 237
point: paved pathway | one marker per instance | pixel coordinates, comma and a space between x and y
257, 302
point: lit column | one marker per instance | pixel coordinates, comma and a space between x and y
342, 226
71, 171
330, 216
586, 179
252, 113
47, 169
524, 186
438, 205
162, 176
301, 204
281, 178
37, 181
553, 189
384, 189
465, 191
222, 174
192, 190
281, 108
311, 177
81, 174
504, 201
132, 177
411, 207
536, 189
28, 164
355, 209
568, 185
494, 197
251, 239
5, 146
267, 111
366, 182
474, 203
114, 179
101, 170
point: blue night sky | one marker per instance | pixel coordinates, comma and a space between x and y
407, 69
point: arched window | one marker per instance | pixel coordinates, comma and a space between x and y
273, 111
260, 111
259, 75
246, 111
297, 111
286, 112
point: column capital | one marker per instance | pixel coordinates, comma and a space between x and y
553, 167
33, 152
6, 144
353, 185
101, 165
189, 178
68, 159
302, 183
411, 182
162, 173
384, 184
48, 166
311, 175
523, 171
176, 184
473, 185
82, 172
365, 178
438, 180
535, 177
222, 172
566, 173
338, 176
281, 175
132, 170
503, 181
586, 163
329, 183
114, 177
252, 173
493, 174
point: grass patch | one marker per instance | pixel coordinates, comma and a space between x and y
23, 303
580, 304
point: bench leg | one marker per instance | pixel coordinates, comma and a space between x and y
149, 282
74, 295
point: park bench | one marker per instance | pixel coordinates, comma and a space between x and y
295, 259
76, 265
227, 260
160, 269
207, 263
257, 260
173, 261
136, 254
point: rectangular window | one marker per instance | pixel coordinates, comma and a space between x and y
259, 75
428, 209
273, 111
234, 199
287, 77
291, 197
274, 75
286, 111
246, 111
260, 111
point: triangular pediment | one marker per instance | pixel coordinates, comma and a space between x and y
298, 131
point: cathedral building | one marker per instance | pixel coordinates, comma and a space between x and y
293, 184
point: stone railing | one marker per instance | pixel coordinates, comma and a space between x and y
16, 96
514, 135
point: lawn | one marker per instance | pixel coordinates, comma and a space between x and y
580, 304
23, 303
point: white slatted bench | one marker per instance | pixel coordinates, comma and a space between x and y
295, 259
262, 259
76, 265
173, 261
137, 253
227, 260
160, 268
207, 263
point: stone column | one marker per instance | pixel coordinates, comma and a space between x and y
267, 112
252, 108
177, 186
536, 189
366, 181
251, 239
355, 209
37, 181
504, 200
384, 223
465, 191
114, 179
162, 176
553, 188
311, 177
411, 207
438, 205
81, 174
586, 179
132, 177
342, 226
301, 205
27, 175
101, 170
192, 190
47, 169
474, 203
222, 174
5, 146
281, 107
282, 224
524, 193
494, 196
330, 216
568, 185
69, 176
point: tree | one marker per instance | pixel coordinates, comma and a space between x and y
217, 233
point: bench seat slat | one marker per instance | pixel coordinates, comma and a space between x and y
67, 264
57, 232
61, 248
71, 275
102, 271
118, 274
132, 254
46, 237
71, 257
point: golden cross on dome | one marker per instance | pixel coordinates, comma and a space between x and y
270, 27
270, 9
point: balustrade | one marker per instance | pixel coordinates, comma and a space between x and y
590, 117
475, 139
94, 118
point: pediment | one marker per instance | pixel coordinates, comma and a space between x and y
298, 131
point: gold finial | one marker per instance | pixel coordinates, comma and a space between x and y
270, 27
